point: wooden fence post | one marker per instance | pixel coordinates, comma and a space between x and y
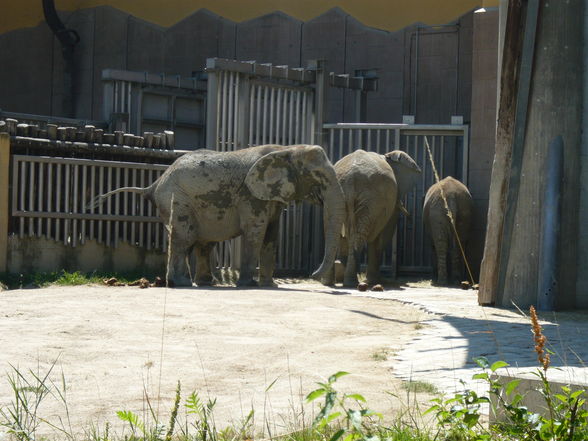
4, 191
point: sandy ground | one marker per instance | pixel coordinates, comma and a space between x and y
258, 348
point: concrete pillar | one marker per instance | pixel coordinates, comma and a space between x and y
4, 189
582, 276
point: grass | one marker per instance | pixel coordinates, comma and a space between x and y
420, 387
65, 278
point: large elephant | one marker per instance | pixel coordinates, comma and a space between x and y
220, 195
438, 225
373, 187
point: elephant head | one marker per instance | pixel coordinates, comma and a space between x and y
405, 169
302, 173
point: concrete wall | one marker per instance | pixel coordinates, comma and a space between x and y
483, 123
31, 79
30, 254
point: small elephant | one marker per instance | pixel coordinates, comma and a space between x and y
438, 225
373, 186
220, 195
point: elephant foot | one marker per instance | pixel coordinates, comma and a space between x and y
247, 283
206, 282
350, 283
177, 282
268, 283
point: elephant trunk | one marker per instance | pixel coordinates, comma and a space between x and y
333, 216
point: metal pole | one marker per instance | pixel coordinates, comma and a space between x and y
549, 250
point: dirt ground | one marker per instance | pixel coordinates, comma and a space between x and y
258, 348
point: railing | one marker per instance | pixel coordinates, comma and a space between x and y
410, 252
49, 198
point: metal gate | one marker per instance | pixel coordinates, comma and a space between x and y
410, 251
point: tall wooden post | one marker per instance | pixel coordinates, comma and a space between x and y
4, 208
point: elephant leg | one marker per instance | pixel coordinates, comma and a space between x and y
251, 242
441, 251
203, 271
178, 272
374, 259
267, 258
351, 268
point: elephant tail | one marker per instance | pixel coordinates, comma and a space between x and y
98, 200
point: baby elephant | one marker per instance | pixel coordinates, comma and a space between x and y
438, 225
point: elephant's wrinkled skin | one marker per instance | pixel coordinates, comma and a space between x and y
438, 225
373, 186
220, 195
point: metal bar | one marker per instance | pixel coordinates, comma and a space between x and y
291, 118
40, 195
58, 202
85, 216
223, 124
117, 208
134, 209
258, 116
84, 187
100, 207
92, 195
229, 120
297, 119
271, 138
265, 115
31, 195
50, 186
108, 224
149, 229
142, 205
126, 205
76, 172
279, 112
251, 113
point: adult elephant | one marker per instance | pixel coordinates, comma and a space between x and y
373, 187
438, 225
220, 195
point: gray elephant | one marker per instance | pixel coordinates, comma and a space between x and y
373, 187
220, 195
438, 225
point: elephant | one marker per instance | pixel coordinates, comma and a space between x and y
221, 195
438, 225
373, 187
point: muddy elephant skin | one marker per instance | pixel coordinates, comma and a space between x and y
438, 226
221, 195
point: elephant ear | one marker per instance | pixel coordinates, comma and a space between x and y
398, 157
270, 177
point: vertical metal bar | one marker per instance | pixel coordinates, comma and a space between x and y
465, 155
285, 117
304, 134
40, 195
369, 140
230, 121
442, 161
297, 119
272, 112
31, 196
291, 118
101, 206
331, 145
22, 206
212, 110
109, 208
265, 115
126, 205
117, 208
251, 113
279, 112
378, 146
83, 189
396, 139
58, 202
341, 141
142, 205
149, 213
76, 171
92, 195
223, 123
50, 185
258, 116
388, 148
134, 208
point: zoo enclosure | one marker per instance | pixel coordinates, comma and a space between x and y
247, 104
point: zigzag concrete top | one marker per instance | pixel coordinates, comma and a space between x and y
390, 16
